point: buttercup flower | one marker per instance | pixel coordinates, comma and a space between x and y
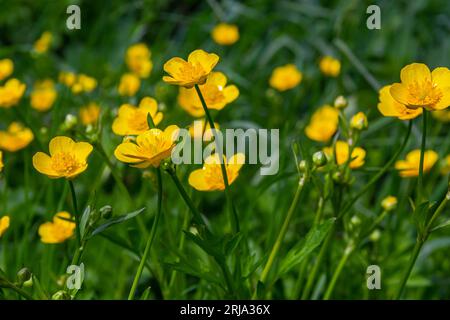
59, 230
285, 77
83, 83
323, 125
67, 158
149, 149
215, 92
389, 203
6, 68
359, 121
225, 34
89, 114
210, 178
410, 166
341, 152
191, 72
441, 115
4, 225
138, 60
132, 120
43, 95
15, 138
129, 85
1, 161
389, 107
330, 66
11, 93
197, 130
446, 166
67, 78
421, 88
43, 43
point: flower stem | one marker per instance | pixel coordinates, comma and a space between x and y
283, 230
75, 208
420, 185
348, 251
150, 238
219, 149
421, 239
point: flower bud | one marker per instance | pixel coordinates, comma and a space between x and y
70, 121
355, 220
319, 159
359, 122
61, 295
389, 203
375, 235
23, 276
302, 166
340, 102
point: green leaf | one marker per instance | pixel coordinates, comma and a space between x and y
420, 215
210, 246
84, 219
312, 240
117, 220
441, 225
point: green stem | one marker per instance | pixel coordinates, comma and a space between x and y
282, 233
150, 239
219, 149
421, 239
75, 208
420, 186
20, 291
348, 251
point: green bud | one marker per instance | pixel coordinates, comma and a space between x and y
23, 275
302, 166
319, 159
375, 235
61, 295
340, 102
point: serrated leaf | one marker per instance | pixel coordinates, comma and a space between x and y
312, 240
117, 220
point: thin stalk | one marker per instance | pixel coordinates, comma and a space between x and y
18, 290
282, 233
75, 208
348, 251
421, 239
420, 186
150, 239
234, 215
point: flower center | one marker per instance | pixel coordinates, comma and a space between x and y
213, 95
65, 163
423, 93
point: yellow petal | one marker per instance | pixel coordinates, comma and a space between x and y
61, 144
236, 162
415, 72
82, 150
399, 92
197, 180
217, 79
129, 153
171, 132
43, 163
231, 93
173, 67
149, 105
207, 60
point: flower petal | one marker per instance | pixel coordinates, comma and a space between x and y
61, 144
197, 180
43, 163
415, 72
207, 60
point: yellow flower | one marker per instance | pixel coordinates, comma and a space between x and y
43, 95
359, 121
6, 68
86, 83
1, 161
341, 152
421, 88
389, 203
389, 107
330, 66
323, 125
11, 93
410, 166
43, 43
285, 77
149, 149
441, 115
129, 85
132, 120
89, 114
59, 230
67, 158
191, 72
138, 60
197, 130
225, 34
446, 167
210, 178
68, 78
215, 92
4, 225
15, 138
